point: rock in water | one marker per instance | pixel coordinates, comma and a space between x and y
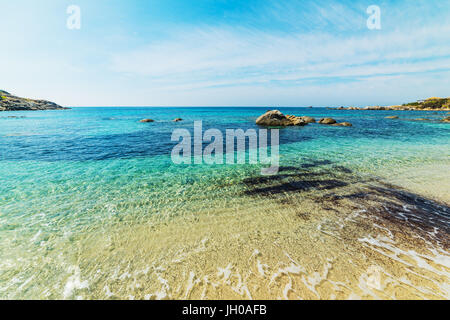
147, 120
274, 118
446, 119
343, 124
177, 120
8, 102
308, 119
298, 122
392, 117
327, 121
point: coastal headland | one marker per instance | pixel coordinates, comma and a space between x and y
9, 102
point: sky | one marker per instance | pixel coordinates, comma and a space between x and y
225, 52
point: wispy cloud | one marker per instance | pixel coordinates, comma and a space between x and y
257, 52
209, 57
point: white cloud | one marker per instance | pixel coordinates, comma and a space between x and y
217, 57
327, 57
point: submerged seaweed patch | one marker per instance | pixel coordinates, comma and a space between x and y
338, 189
298, 179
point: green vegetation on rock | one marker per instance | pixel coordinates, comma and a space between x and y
430, 103
10, 102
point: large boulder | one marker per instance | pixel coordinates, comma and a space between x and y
327, 121
274, 118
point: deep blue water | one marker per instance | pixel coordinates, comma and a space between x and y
84, 134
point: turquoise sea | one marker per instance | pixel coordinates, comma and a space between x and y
91, 206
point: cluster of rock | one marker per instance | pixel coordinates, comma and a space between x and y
446, 119
275, 118
430, 104
388, 108
151, 120
8, 102
365, 108
332, 122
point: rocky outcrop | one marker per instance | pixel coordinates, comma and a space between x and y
446, 119
343, 124
9, 102
327, 121
334, 123
147, 120
365, 108
275, 118
297, 121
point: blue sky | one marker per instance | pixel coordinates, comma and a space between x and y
225, 52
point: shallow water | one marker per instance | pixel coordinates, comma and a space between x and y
91, 206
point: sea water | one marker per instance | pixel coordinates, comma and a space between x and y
92, 206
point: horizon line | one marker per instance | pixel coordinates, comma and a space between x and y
202, 106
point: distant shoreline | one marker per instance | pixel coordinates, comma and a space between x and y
430, 104
9, 102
